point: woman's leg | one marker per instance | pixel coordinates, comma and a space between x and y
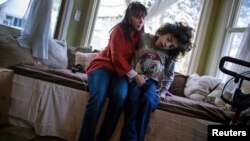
129, 132
148, 103
117, 93
98, 82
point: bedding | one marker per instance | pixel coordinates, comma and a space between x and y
198, 87
52, 101
11, 53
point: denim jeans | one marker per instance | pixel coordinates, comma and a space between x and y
102, 83
141, 102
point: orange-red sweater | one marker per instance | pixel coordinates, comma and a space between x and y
117, 55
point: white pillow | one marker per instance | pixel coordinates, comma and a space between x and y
198, 87
57, 54
84, 59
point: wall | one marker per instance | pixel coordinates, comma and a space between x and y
210, 49
76, 28
214, 40
206, 48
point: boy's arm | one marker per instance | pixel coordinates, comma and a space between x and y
168, 78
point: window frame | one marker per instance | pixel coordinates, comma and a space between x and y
199, 39
200, 36
63, 20
222, 35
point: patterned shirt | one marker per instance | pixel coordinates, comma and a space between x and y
154, 63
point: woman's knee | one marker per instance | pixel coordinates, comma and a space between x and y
119, 89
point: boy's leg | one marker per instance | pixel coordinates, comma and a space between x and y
149, 102
129, 132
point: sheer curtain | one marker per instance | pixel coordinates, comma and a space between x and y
36, 31
243, 53
156, 8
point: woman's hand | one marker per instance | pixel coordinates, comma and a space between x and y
139, 79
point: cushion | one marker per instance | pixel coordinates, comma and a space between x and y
71, 52
198, 87
57, 57
11, 53
177, 87
84, 59
7, 30
215, 97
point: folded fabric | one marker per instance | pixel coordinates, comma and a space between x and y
198, 87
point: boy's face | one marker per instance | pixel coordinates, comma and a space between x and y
166, 42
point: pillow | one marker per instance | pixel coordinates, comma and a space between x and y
71, 53
7, 30
177, 86
57, 57
198, 87
215, 98
11, 53
245, 87
84, 59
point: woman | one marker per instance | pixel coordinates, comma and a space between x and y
108, 72
155, 59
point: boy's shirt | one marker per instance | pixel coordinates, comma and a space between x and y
154, 63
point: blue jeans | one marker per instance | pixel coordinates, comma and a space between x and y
141, 102
102, 83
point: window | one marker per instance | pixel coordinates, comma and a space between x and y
183, 10
13, 11
237, 23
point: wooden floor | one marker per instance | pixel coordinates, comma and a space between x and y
13, 133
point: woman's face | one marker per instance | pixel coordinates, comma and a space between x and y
166, 42
137, 22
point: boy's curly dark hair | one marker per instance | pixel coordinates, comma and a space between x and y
183, 34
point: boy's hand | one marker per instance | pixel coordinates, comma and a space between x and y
139, 79
164, 95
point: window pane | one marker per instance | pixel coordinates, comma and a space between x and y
12, 16
110, 12
55, 13
183, 10
243, 16
106, 19
187, 11
234, 44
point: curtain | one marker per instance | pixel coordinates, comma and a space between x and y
243, 52
36, 31
158, 7
154, 11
